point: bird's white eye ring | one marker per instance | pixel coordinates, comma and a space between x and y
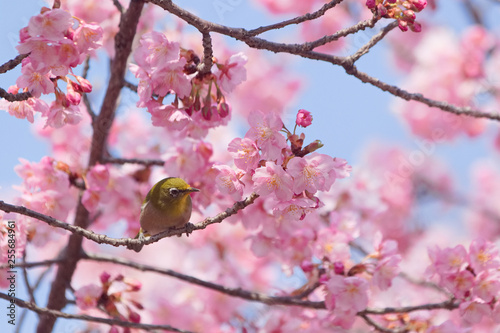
174, 192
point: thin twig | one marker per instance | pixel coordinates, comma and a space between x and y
296, 20
27, 282
33, 264
59, 314
146, 162
370, 23
449, 304
129, 85
372, 42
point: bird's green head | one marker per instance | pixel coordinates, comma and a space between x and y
169, 191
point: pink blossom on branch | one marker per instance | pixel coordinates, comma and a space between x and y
88, 296
245, 153
265, 131
231, 73
313, 172
272, 179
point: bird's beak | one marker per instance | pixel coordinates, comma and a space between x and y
192, 189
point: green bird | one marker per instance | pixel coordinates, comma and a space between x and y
167, 205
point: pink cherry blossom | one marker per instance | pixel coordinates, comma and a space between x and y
487, 286
448, 260
88, 296
272, 179
459, 283
170, 76
483, 255
51, 24
473, 311
313, 172
385, 271
228, 182
168, 116
232, 72
295, 209
35, 79
351, 293
23, 109
58, 115
265, 131
245, 153
88, 36
154, 49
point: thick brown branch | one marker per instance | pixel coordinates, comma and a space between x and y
206, 65
14, 97
11, 64
101, 126
58, 314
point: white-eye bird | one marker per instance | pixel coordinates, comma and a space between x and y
167, 205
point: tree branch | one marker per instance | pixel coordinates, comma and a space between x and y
373, 41
58, 314
296, 20
129, 242
206, 65
236, 292
309, 46
11, 64
146, 162
14, 97
33, 264
101, 127
304, 51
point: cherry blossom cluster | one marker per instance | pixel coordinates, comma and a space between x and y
463, 63
401, 10
109, 296
472, 277
56, 43
45, 189
164, 68
347, 290
286, 173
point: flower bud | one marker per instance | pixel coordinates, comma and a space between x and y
223, 109
206, 112
371, 4
419, 4
338, 268
84, 84
416, 27
304, 118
